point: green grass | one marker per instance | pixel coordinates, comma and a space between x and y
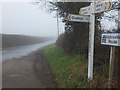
70, 71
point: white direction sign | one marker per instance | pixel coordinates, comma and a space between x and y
112, 39
78, 18
103, 6
85, 10
99, 7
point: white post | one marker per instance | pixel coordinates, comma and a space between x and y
57, 23
1, 46
91, 44
111, 65
118, 19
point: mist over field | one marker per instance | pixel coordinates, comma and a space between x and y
24, 18
10, 40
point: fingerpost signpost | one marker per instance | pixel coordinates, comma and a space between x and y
90, 11
95, 7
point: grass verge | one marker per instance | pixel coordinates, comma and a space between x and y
70, 71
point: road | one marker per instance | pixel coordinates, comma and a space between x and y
31, 71
19, 51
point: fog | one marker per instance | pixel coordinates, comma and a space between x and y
28, 19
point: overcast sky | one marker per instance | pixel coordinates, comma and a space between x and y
28, 19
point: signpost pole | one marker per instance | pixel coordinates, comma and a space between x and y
91, 10
57, 23
91, 44
111, 65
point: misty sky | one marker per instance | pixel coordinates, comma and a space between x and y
28, 19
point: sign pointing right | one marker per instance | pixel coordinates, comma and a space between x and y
103, 6
99, 7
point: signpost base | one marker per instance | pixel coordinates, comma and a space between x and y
111, 65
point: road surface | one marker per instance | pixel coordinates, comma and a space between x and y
31, 71
19, 51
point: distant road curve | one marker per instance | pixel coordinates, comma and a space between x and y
19, 51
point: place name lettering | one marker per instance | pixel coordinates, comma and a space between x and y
77, 18
111, 37
112, 41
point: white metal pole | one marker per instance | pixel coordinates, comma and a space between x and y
111, 65
91, 44
57, 23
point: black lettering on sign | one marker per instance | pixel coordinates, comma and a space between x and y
111, 37
112, 41
77, 18
104, 36
103, 40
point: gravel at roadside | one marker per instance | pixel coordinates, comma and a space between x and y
31, 71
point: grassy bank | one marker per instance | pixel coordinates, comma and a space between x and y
70, 71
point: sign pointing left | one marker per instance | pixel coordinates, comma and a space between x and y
78, 18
